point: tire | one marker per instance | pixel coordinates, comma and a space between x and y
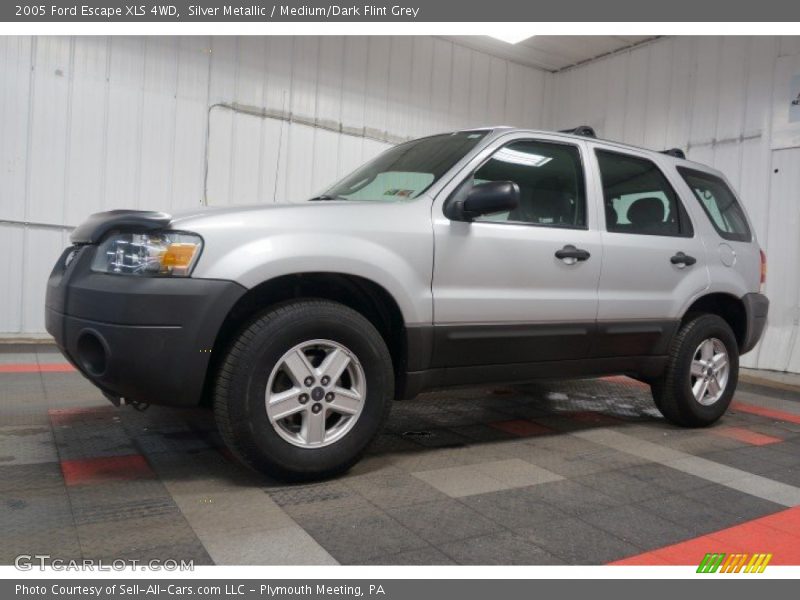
673, 392
266, 352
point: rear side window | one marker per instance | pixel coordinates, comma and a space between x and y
719, 204
638, 198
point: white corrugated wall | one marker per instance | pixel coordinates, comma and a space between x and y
94, 123
712, 96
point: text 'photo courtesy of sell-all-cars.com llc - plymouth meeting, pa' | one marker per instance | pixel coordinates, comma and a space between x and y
491, 255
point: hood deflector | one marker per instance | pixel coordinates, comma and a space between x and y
97, 225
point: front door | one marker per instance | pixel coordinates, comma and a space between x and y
520, 286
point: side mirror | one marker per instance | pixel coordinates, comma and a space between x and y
485, 199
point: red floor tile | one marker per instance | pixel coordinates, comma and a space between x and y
106, 468
589, 416
521, 427
745, 435
68, 416
755, 537
37, 368
761, 411
622, 380
776, 534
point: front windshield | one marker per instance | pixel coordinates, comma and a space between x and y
405, 171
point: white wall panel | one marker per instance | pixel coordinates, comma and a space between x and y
15, 105
12, 245
49, 129
123, 159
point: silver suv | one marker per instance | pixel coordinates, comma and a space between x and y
473, 257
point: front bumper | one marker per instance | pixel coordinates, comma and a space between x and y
143, 339
756, 306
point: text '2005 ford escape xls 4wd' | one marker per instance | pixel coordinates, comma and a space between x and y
482, 256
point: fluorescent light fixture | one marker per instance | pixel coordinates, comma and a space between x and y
511, 37
521, 158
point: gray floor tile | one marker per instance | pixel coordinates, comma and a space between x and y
503, 548
32, 511
21, 445
621, 486
58, 542
486, 477
194, 552
637, 526
443, 521
285, 546
573, 498
576, 542
665, 477
355, 537
105, 538
744, 459
743, 507
424, 556
789, 475
31, 477
393, 488
514, 509
697, 517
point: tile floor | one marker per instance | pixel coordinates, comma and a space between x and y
561, 472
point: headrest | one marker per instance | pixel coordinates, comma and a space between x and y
646, 211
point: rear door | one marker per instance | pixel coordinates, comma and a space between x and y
653, 260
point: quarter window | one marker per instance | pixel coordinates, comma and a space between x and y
638, 199
550, 180
719, 203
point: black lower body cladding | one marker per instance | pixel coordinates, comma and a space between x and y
143, 339
756, 306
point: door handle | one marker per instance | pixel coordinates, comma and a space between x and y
682, 260
570, 254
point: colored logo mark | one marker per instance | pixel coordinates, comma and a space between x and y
718, 562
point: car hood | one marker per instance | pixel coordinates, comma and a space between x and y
303, 216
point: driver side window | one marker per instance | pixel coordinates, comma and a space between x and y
550, 180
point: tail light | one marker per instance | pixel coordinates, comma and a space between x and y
763, 270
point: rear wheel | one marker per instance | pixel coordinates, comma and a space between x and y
698, 384
304, 389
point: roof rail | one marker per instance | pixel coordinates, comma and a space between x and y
582, 130
676, 152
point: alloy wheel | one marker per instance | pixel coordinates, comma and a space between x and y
315, 393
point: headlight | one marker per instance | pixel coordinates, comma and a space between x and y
153, 254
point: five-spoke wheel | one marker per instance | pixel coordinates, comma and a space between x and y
315, 393
709, 371
698, 382
303, 389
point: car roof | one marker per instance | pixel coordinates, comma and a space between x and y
498, 130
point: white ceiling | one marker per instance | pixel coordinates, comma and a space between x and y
552, 52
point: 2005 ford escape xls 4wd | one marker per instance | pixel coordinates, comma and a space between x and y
495, 255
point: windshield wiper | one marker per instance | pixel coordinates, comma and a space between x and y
326, 197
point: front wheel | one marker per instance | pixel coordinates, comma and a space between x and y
703, 367
304, 389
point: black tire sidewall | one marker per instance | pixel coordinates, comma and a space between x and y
326, 321
705, 327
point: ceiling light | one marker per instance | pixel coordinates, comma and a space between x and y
516, 157
511, 37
